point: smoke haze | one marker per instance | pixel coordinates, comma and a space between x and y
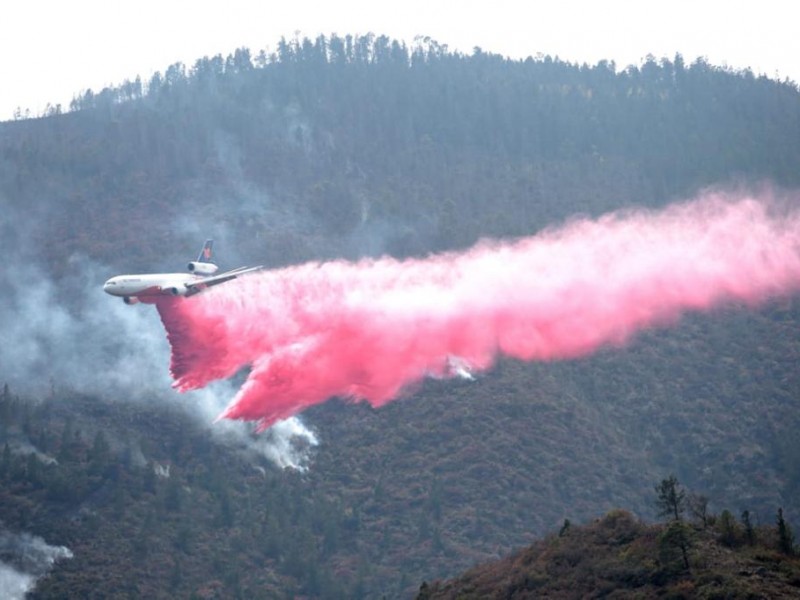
366, 330
99, 346
24, 558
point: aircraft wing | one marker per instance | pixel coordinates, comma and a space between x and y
199, 285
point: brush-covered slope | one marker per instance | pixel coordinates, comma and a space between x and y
618, 556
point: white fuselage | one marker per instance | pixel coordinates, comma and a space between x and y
149, 288
154, 284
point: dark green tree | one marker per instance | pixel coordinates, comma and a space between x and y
671, 499
749, 530
785, 535
698, 506
176, 575
728, 529
424, 591
99, 454
5, 406
119, 500
225, 516
173, 494
33, 469
149, 479
66, 452
674, 543
564, 528
5, 461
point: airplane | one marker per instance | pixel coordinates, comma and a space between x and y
149, 288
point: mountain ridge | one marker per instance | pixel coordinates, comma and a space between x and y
300, 159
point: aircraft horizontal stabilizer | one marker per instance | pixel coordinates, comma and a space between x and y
201, 284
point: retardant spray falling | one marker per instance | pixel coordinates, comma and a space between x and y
366, 330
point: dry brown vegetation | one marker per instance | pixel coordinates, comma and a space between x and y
618, 556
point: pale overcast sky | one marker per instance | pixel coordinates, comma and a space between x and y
52, 49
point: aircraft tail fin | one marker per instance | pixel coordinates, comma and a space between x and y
205, 253
203, 264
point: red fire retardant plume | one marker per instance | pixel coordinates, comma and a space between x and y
366, 330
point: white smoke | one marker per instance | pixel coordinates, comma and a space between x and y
79, 339
24, 559
288, 444
14, 584
20, 445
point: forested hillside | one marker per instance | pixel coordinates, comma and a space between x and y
352, 146
345, 147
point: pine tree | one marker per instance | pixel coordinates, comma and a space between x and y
675, 541
785, 535
698, 506
677, 536
5, 406
749, 531
671, 500
564, 528
5, 461
99, 455
728, 531
173, 494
